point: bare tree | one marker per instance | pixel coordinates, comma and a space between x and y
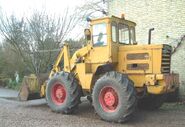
95, 7
41, 31
48, 32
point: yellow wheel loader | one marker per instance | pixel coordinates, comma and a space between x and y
114, 72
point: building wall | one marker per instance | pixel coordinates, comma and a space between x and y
168, 19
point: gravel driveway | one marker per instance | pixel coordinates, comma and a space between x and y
37, 114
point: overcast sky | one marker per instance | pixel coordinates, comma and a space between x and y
26, 7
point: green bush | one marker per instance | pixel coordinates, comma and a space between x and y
14, 85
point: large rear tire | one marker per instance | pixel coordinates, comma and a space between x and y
114, 97
151, 102
63, 93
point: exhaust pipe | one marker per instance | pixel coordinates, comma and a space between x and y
149, 35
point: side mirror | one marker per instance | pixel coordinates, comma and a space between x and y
87, 33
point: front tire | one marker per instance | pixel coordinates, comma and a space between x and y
63, 93
114, 97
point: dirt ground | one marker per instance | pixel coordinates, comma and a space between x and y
37, 114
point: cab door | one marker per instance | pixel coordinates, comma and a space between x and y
100, 41
114, 42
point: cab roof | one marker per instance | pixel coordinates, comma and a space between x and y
108, 19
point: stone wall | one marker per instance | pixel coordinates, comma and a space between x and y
168, 19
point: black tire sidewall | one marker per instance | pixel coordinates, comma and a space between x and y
50, 102
122, 92
107, 115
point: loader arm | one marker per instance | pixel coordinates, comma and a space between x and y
64, 53
69, 64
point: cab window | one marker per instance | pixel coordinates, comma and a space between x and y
123, 34
99, 34
114, 32
132, 35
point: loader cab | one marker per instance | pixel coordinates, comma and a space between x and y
107, 34
112, 29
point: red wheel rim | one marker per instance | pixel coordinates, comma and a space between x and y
58, 93
108, 99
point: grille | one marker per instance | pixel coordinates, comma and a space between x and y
166, 59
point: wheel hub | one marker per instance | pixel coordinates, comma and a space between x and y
108, 99
58, 94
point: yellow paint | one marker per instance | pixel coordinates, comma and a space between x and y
43, 89
159, 89
32, 82
85, 78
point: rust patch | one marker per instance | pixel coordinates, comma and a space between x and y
171, 81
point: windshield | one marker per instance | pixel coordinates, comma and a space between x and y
99, 34
123, 34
